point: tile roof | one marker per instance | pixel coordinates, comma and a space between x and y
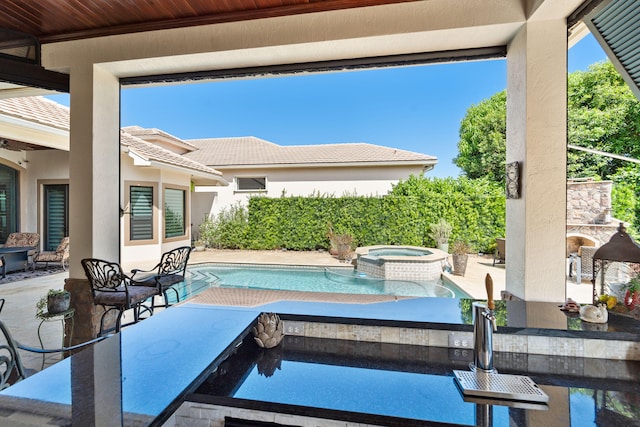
152, 152
46, 112
36, 109
153, 133
252, 151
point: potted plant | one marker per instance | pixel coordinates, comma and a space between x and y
344, 246
460, 254
441, 232
632, 293
199, 245
53, 302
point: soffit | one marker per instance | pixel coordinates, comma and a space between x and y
61, 20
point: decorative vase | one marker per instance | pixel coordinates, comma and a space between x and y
460, 264
269, 331
58, 303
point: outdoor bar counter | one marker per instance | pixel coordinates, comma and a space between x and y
147, 374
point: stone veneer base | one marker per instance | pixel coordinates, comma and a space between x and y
551, 343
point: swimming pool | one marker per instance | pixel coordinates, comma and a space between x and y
309, 279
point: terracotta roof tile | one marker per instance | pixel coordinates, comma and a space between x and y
219, 152
46, 112
36, 109
152, 152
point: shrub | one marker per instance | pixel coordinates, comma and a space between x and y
227, 230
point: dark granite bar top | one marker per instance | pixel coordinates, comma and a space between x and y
145, 369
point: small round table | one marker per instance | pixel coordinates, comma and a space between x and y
62, 316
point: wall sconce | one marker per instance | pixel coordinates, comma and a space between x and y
513, 180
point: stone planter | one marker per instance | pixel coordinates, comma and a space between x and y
460, 264
58, 303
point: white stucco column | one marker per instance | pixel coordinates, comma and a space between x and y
94, 168
536, 137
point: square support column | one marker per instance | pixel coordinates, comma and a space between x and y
94, 184
537, 139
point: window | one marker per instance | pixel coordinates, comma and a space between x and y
56, 215
251, 183
174, 212
141, 213
8, 201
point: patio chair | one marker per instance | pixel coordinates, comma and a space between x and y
166, 274
113, 290
23, 239
500, 255
11, 368
61, 255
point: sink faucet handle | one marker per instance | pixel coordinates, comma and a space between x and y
488, 282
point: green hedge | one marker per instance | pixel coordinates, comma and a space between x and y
475, 209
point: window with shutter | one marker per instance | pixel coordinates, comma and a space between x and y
174, 212
56, 209
141, 213
8, 201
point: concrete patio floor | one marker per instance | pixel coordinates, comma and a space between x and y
21, 296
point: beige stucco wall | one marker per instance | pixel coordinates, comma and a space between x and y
52, 166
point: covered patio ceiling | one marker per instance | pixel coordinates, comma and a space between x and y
63, 20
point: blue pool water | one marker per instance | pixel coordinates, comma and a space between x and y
398, 252
312, 279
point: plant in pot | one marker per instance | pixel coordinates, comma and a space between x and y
441, 232
344, 244
53, 302
460, 254
199, 245
632, 293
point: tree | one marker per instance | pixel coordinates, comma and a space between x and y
483, 139
603, 114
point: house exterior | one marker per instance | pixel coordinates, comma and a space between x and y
253, 166
34, 181
159, 170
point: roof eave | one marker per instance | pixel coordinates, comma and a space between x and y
209, 176
424, 163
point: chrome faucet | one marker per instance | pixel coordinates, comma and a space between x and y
484, 324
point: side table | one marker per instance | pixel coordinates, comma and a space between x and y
62, 316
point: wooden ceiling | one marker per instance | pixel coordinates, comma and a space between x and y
61, 20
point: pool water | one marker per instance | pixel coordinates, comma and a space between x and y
398, 252
310, 279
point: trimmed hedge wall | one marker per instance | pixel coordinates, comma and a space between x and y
475, 209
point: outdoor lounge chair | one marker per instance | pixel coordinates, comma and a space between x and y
11, 368
61, 255
168, 272
21, 240
500, 254
113, 290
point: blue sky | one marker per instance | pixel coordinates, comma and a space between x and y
414, 108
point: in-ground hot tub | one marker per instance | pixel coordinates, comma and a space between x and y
401, 262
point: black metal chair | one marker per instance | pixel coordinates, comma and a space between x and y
114, 290
11, 368
170, 271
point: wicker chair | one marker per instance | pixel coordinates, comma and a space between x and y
60, 255
24, 239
